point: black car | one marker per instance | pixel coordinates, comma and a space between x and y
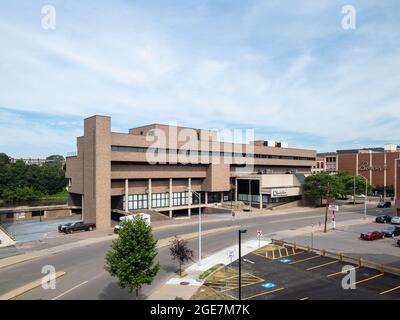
391, 231
61, 227
383, 219
79, 226
386, 204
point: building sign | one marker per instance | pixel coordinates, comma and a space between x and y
364, 166
279, 193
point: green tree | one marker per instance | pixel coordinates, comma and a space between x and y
322, 185
21, 194
132, 256
180, 251
56, 157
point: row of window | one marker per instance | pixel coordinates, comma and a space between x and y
204, 153
158, 200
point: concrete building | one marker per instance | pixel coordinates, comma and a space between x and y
143, 170
330, 161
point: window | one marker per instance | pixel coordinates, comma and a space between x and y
160, 200
137, 201
179, 198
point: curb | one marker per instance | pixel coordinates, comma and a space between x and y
27, 287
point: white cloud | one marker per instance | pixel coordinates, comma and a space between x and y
288, 68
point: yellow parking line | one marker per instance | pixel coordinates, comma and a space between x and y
370, 278
295, 254
263, 293
304, 259
341, 272
390, 290
258, 254
323, 265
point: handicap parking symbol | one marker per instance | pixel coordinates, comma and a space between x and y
268, 285
284, 260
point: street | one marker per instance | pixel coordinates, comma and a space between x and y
86, 278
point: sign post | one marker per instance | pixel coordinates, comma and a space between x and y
259, 234
333, 209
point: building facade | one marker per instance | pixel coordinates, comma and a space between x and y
142, 169
377, 165
320, 165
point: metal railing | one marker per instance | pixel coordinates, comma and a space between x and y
359, 261
9, 234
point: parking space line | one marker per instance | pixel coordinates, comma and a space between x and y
310, 258
341, 272
323, 265
263, 293
370, 278
296, 253
390, 290
305, 298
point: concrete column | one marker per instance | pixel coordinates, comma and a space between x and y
222, 197
170, 198
126, 195
370, 169
206, 198
236, 189
357, 164
190, 196
149, 194
261, 204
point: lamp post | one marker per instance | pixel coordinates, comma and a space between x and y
366, 193
240, 261
199, 197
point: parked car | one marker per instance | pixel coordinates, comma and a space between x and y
372, 235
391, 231
79, 226
61, 227
383, 219
383, 204
398, 242
395, 220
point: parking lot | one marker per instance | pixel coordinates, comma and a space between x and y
286, 272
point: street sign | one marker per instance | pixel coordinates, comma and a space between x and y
333, 208
259, 233
231, 253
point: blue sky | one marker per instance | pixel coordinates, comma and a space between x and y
285, 68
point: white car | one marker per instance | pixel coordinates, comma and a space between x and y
395, 220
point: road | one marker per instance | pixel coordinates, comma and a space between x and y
86, 278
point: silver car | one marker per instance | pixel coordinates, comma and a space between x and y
395, 220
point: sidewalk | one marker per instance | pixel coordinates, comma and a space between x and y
174, 288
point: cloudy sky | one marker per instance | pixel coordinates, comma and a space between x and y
286, 68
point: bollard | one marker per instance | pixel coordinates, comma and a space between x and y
360, 262
323, 252
341, 257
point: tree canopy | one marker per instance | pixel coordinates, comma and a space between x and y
340, 185
34, 180
132, 256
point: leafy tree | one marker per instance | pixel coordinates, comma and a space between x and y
321, 186
180, 251
55, 157
21, 194
131, 258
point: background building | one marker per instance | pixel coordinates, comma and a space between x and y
320, 165
111, 171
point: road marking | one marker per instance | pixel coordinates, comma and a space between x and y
390, 290
305, 298
370, 278
68, 291
305, 259
323, 265
341, 272
263, 293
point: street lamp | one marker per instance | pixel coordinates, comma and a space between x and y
198, 195
240, 231
366, 193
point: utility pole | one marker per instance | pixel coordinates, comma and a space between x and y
240, 262
354, 197
327, 206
